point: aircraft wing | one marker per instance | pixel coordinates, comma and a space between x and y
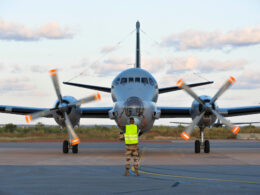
98, 88
176, 88
184, 112
89, 112
20, 110
161, 90
175, 112
239, 111
95, 112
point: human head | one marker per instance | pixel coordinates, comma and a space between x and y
132, 121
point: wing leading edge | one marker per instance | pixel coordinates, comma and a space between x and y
90, 112
184, 112
161, 90
239, 111
175, 112
176, 88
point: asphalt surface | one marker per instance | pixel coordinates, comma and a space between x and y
232, 167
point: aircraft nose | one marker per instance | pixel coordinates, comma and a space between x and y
133, 106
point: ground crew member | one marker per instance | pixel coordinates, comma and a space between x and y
132, 149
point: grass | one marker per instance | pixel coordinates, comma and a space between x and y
11, 132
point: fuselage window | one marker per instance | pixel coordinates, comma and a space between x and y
137, 79
131, 79
117, 81
123, 80
144, 80
151, 81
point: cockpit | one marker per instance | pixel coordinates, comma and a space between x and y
141, 80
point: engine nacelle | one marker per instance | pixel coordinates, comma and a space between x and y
197, 108
73, 112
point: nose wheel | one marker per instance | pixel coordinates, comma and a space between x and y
67, 146
201, 144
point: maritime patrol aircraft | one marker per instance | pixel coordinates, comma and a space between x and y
135, 92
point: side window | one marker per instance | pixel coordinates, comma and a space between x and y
123, 80
144, 80
151, 81
137, 79
131, 80
117, 81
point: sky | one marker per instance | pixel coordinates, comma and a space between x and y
93, 41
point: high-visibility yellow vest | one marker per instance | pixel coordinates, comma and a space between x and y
131, 134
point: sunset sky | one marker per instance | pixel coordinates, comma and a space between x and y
92, 41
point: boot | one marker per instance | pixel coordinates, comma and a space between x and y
126, 172
136, 171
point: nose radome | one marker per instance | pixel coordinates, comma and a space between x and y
134, 106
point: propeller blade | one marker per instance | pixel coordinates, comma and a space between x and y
235, 129
29, 118
91, 98
75, 139
55, 81
224, 87
187, 132
182, 85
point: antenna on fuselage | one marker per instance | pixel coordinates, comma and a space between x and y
138, 55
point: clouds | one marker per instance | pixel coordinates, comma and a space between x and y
191, 63
108, 49
192, 39
18, 32
248, 80
111, 65
20, 86
15, 84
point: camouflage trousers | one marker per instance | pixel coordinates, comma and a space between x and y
132, 150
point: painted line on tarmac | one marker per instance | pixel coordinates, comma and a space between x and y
187, 177
199, 178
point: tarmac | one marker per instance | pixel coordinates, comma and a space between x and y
232, 167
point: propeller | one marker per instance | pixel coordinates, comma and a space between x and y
62, 109
207, 107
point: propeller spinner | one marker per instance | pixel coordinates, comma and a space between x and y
207, 107
63, 109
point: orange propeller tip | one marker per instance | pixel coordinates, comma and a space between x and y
180, 80
75, 141
97, 96
185, 135
28, 118
231, 79
52, 70
180, 83
235, 129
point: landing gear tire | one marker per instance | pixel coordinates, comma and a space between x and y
75, 149
197, 146
206, 146
65, 146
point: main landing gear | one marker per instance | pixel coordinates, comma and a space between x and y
67, 146
201, 144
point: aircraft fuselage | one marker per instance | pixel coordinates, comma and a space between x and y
135, 93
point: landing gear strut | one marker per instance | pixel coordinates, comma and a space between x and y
67, 146
201, 144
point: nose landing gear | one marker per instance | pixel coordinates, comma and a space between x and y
67, 146
201, 144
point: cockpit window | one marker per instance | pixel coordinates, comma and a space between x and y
117, 81
144, 80
137, 79
151, 81
123, 80
131, 80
